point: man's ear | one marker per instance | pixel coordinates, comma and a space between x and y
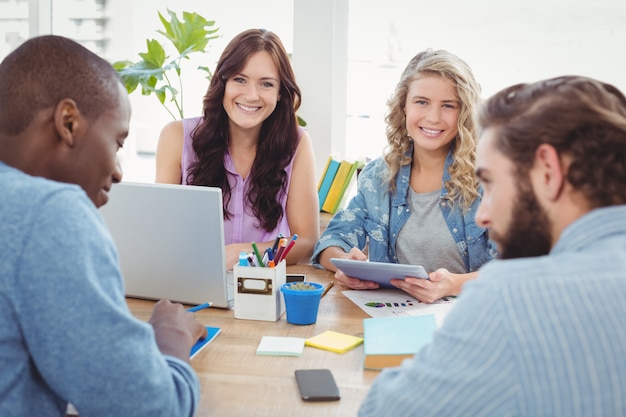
66, 120
549, 171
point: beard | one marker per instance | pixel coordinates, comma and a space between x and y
528, 234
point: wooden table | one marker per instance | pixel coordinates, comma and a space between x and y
237, 382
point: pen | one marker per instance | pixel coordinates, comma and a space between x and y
268, 256
276, 242
257, 254
281, 249
199, 307
288, 248
328, 287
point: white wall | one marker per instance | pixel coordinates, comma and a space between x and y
348, 54
505, 42
320, 61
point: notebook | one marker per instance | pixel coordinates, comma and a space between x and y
170, 240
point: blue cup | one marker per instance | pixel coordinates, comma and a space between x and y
302, 305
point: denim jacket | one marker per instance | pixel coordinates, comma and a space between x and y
376, 215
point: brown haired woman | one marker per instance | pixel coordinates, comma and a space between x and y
249, 144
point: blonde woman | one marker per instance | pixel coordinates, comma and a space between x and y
416, 204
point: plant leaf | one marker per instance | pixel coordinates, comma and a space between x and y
155, 56
160, 95
190, 33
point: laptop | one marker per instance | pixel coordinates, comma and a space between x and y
170, 240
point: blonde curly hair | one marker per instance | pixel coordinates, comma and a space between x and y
462, 186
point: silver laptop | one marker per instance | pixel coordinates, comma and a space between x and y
170, 240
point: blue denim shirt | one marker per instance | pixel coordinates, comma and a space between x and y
376, 215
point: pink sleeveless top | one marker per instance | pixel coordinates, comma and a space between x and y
243, 225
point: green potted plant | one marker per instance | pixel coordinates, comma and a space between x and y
159, 74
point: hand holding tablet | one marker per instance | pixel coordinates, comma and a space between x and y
380, 272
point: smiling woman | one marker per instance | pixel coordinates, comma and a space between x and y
415, 204
249, 144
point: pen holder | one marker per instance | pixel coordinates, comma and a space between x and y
257, 292
302, 304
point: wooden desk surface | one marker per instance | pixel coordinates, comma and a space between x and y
237, 382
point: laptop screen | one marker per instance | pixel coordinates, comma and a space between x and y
170, 240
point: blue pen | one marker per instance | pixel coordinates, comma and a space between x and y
275, 245
199, 307
268, 256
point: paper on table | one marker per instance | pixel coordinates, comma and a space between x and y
334, 341
392, 302
280, 346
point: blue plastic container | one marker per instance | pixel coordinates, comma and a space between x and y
302, 305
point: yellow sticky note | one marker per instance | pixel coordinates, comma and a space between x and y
333, 341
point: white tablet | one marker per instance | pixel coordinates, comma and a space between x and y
380, 272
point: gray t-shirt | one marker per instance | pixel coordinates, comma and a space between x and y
425, 239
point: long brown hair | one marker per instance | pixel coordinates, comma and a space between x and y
278, 137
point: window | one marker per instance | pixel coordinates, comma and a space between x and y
117, 30
504, 43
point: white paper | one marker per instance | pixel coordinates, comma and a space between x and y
280, 346
393, 302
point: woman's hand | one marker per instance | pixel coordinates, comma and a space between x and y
232, 253
354, 283
439, 284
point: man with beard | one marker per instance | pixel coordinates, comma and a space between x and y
541, 332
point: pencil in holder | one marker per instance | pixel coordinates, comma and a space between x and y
257, 292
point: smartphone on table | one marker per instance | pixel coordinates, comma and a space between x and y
317, 385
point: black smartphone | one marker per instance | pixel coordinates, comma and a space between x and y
295, 278
317, 385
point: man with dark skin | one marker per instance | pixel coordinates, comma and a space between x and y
67, 334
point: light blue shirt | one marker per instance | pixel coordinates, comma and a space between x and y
376, 215
542, 336
66, 333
